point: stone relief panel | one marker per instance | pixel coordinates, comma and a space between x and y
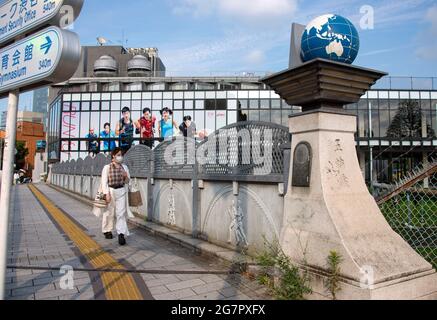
172, 204
240, 221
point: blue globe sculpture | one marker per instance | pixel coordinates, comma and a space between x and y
330, 37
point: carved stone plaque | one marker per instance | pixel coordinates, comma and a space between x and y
302, 165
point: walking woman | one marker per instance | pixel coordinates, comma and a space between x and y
115, 180
167, 127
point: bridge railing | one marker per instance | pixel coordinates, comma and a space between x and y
229, 189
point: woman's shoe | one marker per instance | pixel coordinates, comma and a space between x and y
108, 235
121, 239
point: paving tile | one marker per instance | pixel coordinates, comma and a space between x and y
185, 284
210, 287
176, 295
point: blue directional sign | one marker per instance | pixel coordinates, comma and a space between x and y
20, 16
36, 58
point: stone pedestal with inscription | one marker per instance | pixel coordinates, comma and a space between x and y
328, 206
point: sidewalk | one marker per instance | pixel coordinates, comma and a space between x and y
171, 272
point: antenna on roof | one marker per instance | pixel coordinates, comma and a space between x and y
102, 41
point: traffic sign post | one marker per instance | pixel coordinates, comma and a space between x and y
34, 61
42, 58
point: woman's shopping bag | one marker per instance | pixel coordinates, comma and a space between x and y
99, 203
135, 199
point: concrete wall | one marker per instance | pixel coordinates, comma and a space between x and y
230, 214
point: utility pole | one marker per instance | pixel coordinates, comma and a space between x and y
6, 187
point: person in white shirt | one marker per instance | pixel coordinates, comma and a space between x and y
115, 182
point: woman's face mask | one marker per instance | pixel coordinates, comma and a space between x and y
119, 159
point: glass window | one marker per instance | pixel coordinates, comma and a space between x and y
221, 94
126, 103
84, 128
178, 104
265, 104
264, 115
363, 123
253, 115
383, 94
243, 94
106, 106
116, 106
220, 119
106, 96
276, 104
404, 95
394, 94
136, 96
375, 124
274, 95
136, 105
147, 95
116, 96
66, 97
243, 104
414, 95
156, 105
189, 95
96, 97
210, 95
254, 94
265, 94
95, 106
232, 94
95, 121
425, 95
210, 120
221, 104
66, 106
253, 104
285, 117
200, 104
167, 104
189, 104
384, 120
200, 95
146, 104
199, 118
126, 96
276, 116
372, 94
232, 117
178, 95
178, 117
232, 104
209, 104
168, 95
157, 95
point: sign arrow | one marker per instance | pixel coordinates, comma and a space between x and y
47, 45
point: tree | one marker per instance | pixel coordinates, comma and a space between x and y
407, 122
22, 153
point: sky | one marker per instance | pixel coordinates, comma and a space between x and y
201, 37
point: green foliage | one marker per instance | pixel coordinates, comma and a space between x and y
291, 284
22, 153
332, 282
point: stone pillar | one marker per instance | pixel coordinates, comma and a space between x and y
337, 213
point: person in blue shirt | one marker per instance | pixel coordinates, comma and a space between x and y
107, 133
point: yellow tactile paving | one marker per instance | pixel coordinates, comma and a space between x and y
117, 286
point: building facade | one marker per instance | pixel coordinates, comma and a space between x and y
40, 103
396, 128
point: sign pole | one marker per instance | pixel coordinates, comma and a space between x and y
6, 187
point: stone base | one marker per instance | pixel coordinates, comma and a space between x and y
421, 286
337, 213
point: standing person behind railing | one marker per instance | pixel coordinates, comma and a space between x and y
92, 143
188, 128
167, 127
108, 145
146, 128
125, 130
